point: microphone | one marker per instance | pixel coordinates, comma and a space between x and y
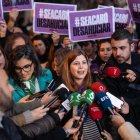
104, 101
75, 102
98, 87
87, 98
112, 72
61, 94
96, 114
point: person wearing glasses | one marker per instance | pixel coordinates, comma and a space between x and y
26, 75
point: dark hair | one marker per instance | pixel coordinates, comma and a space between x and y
60, 54
103, 41
122, 34
85, 43
46, 41
23, 51
11, 40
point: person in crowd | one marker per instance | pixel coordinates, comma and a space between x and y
76, 76
20, 114
90, 48
14, 40
7, 126
55, 44
105, 49
41, 46
58, 59
127, 83
27, 76
103, 54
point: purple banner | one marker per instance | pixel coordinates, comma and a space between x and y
19, 5
91, 24
1, 11
122, 18
52, 17
134, 6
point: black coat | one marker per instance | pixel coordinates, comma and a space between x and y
12, 132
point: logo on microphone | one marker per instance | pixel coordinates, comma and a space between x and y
101, 88
104, 98
115, 71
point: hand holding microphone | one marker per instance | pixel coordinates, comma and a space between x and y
75, 102
115, 72
104, 101
86, 99
98, 87
96, 114
112, 72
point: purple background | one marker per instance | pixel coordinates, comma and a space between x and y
121, 11
1, 12
124, 11
19, 7
72, 16
38, 6
137, 16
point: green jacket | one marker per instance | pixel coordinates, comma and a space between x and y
43, 81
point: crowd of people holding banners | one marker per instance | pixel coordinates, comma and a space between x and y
56, 86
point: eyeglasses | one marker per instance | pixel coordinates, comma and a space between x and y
25, 68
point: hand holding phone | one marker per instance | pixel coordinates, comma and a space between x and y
115, 101
37, 95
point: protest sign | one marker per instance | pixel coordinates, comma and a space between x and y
122, 17
19, 5
52, 17
91, 24
134, 6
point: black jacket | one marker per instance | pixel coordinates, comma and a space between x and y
12, 132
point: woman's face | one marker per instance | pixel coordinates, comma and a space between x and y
2, 60
39, 46
105, 51
79, 67
17, 42
56, 67
24, 69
